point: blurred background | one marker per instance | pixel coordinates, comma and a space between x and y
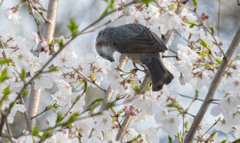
84, 12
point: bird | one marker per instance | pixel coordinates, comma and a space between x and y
140, 44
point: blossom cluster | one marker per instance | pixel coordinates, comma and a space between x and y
76, 83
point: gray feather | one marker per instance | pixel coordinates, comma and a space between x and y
159, 74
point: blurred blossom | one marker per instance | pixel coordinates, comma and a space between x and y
228, 107
114, 78
167, 21
12, 14
32, 40
15, 109
44, 81
103, 122
185, 65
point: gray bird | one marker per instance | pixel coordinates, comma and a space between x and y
140, 44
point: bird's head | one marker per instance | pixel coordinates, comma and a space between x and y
102, 46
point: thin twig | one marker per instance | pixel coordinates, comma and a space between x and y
209, 130
215, 40
219, 15
70, 36
98, 20
185, 96
46, 109
36, 8
89, 80
74, 103
37, 23
26, 116
213, 87
9, 131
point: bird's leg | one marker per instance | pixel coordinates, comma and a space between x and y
175, 56
135, 66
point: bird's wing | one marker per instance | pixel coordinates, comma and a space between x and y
139, 41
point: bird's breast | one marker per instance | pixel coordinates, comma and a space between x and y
135, 58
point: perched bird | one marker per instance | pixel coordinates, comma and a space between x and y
140, 45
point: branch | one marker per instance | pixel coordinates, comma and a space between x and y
124, 127
213, 87
219, 15
36, 21
215, 40
238, 2
89, 80
102, 17
1, 3
185, 96
108, 94
9, 132
48, 33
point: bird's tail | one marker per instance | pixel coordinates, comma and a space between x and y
159, 74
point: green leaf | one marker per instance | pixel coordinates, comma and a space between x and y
4, 76
73, 27
187, 125
192, 23
37, 20
85, 85
204, 44
208, 66
203, 54
211, 28
213, 134
218, 60
195, 3
5, 93
224, 141
179, 136
109, 7
133, 71
59, 117
35, 131
54, 69
173, 105
99, 100
169, 139
73, 117
136, 138
76, 99
111, 104
147, 1
137, 89
5, 61
113, 111
95, 105
196, 94
23, 74
60, 43
25, 93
